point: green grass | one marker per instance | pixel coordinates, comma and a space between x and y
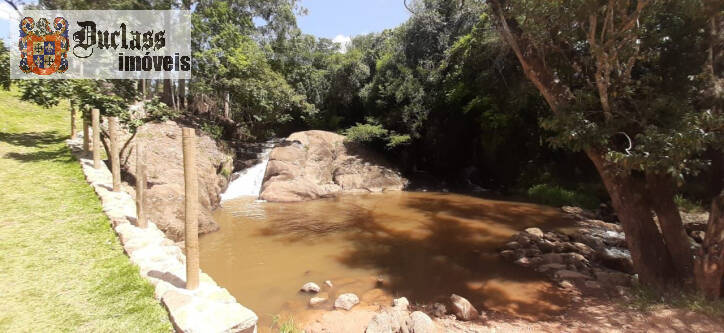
688, 205
285, 325
646, 299
61, 266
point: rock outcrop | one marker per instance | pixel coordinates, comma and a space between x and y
163, 151
315, 164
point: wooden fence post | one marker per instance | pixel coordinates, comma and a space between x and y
96, 115
115, 158
140, 184
192, 201
72, 123
86, 133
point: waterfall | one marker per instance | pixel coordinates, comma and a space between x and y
247, 182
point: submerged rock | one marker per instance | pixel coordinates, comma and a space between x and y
346, 301
316, 164
462, 308
316, 301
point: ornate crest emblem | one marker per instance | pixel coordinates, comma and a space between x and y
43, 51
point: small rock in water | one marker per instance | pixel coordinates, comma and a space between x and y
315, 301
462, 308
439, 310
346, 301
328, 283
419, 322
401, 303
310, 287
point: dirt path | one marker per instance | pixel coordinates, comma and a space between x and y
587, 315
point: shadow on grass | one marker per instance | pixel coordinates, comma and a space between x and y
60, 155
32, 139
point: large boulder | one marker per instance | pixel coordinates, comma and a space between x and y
164, 196
315, 164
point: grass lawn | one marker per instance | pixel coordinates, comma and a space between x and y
61, 265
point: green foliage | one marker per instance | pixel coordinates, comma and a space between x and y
228, 59
157, 110
214, 130
653, 79
688, 205
365, 133
285, 325
395, 140
4, 66
554, 195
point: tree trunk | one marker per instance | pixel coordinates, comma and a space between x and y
167, 96
709, 264
661, 199
227, 106
182, 93
651, 259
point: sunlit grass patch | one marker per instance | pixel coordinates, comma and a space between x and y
645, 299
61, 266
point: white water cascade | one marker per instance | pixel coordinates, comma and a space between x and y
247, 182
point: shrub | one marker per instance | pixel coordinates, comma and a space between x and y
555, 195
213, 130
688, 205
365, 133
157, 110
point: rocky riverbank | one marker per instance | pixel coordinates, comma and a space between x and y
591, 255
163, 155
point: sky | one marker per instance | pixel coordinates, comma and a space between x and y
7, 13
342, 19
335, 19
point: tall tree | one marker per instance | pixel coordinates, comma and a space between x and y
607, 71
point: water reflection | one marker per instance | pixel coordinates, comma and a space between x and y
424, 245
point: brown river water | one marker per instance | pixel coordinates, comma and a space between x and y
423, 245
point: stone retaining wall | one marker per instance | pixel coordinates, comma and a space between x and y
209, 308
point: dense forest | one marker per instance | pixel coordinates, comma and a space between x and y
570, 101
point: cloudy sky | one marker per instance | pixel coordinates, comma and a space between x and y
335, 19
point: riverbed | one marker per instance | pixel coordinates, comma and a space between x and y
421, 245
